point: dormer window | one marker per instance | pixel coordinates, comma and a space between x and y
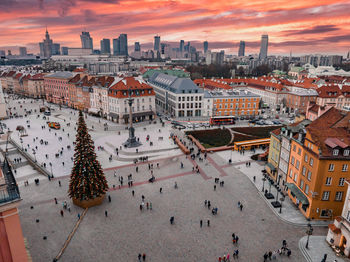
335, 152
346, 152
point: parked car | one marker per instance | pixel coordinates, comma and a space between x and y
205, 124
180, 127
190, 125
276, 122
47, 113
260, 122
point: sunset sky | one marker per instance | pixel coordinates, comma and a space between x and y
307, 26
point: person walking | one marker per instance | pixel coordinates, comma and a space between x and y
106, 213
56, 201
139, 256
201, 223
160, 190
109, 198
61, 213
208, 223
241, 207
265, 256
133, 193
144, 257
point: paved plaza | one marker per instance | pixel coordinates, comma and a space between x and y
128, 231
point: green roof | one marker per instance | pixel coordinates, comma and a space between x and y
177, 73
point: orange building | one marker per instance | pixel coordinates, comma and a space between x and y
12, 247
318, 166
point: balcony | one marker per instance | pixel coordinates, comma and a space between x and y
9, 191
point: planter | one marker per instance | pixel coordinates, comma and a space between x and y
89, 203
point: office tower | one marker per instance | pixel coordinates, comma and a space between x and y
55, 49
182, 44
263, 47
105, 46
123, 39
156, 43
2, 52
64, 50
22, 51
348, 56
241, 50
137, 47
187, 47
116, 46
86, 40
205, 46
46, 46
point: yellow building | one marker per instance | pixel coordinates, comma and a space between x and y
274, 154
318, 166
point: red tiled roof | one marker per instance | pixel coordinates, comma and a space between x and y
129, 83
332, 124
333, 91
211, 84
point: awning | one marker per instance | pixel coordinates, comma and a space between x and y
272, 168
299, 194
148, 113
114, 115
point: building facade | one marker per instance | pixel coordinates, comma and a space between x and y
274, 155
144, 105
179, 97
57, 86
318, 166
221, 102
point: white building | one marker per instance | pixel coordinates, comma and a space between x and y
143, 107
339, 232
99, 96
179, 97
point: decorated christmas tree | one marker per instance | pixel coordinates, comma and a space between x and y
87, 180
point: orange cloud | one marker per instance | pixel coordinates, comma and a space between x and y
302, 26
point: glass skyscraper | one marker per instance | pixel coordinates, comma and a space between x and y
263, 46
156, 43
241, 50
86, 40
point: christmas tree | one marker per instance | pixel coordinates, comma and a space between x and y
87, 179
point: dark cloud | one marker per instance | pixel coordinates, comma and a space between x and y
314, 30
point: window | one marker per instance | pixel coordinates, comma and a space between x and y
291, 173
324, 213
299, 151
293, 160
294, 148
306, 189
328, 181
331, 167
339, 196
348, 216
325, 195
295, 177
306, 158
345, 168
297, 164
346, 152
335, 152
302, 184
309, 174
304, 171
341, 181
311, 161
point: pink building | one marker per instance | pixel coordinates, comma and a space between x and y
57, 87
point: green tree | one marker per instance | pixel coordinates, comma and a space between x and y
87, 179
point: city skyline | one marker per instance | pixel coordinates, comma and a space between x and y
312, 27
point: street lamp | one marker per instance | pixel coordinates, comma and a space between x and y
263, 188
282, 199
21, 143
34, 153
309, 233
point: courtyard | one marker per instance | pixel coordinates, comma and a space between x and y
128, 231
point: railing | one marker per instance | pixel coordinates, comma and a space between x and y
11, 191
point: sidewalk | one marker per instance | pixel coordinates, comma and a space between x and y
290, 214
318, 247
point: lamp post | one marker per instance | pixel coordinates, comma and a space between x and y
21, 143
132, 141
309, 233
282, 199
263, 188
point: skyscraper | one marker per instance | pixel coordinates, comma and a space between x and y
105, 46
156, 43
56, 49
263, 46
137, 47
241, 50
86, 40
116, 46
46, 46
182, 43
123, 39
22, 51
205, 46
64, 50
